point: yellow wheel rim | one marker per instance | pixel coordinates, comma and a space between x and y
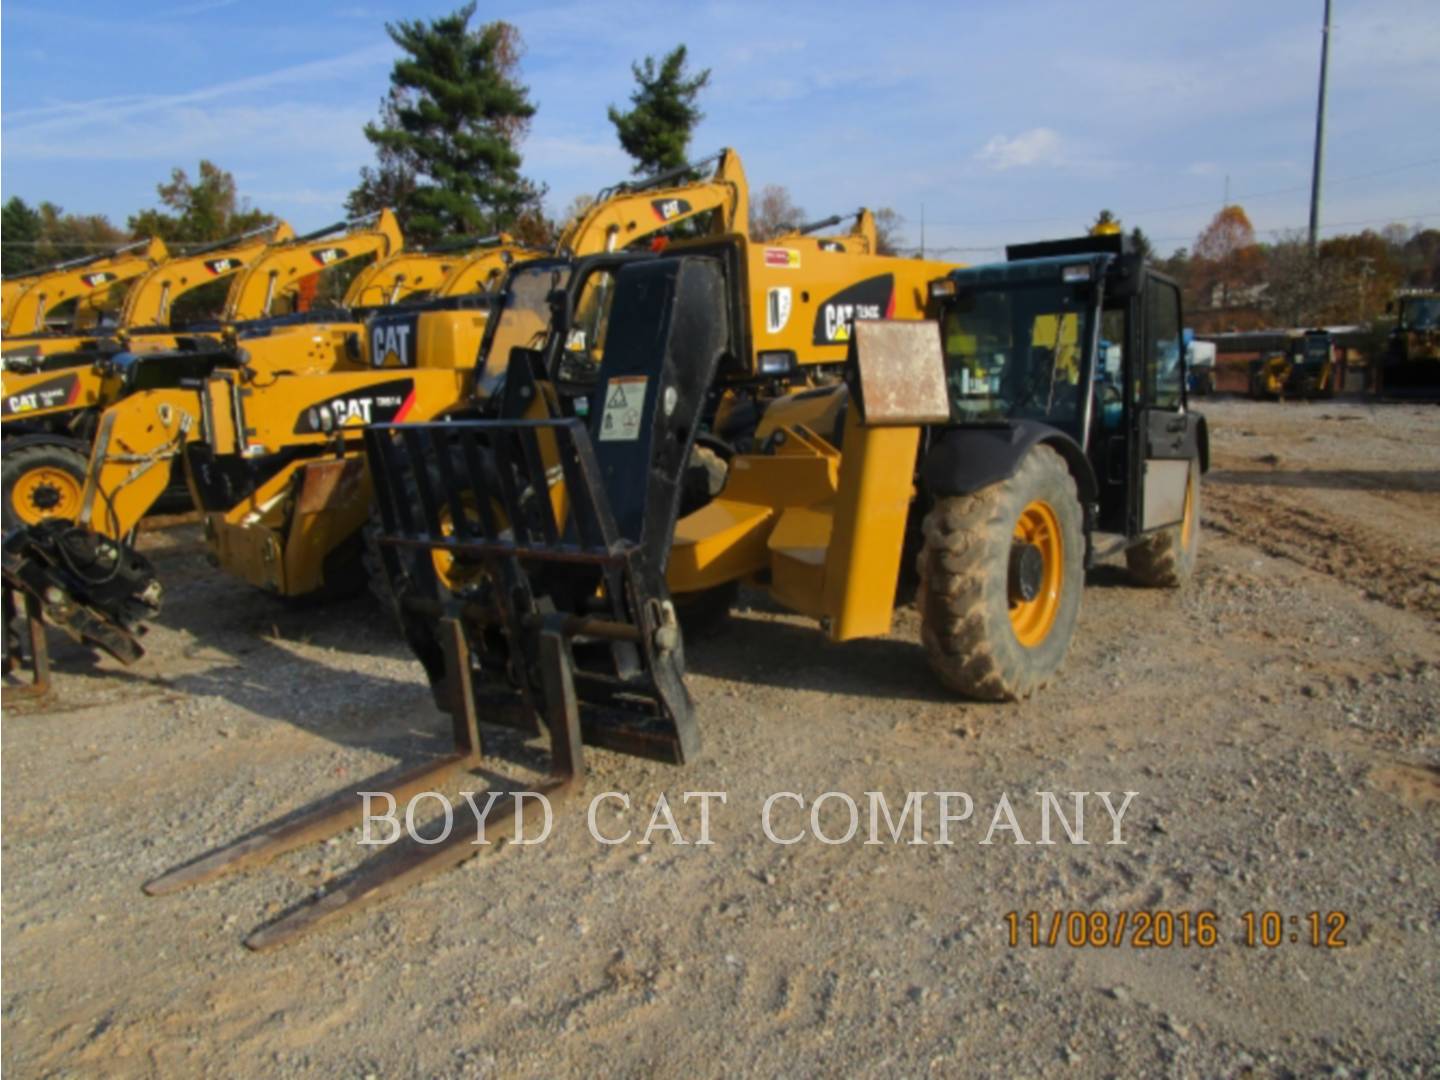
1032, 620
456, 574
46, 492
1187, 522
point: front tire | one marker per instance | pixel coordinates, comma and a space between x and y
1001, 573
41, 481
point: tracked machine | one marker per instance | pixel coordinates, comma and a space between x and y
33, 301
50, 405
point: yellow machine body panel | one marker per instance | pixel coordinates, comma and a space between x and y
802, 300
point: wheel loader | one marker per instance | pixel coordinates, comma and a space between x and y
539, 562
1410, 369
50, 405
87, 283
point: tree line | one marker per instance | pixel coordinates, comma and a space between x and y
1233, 281
448, 160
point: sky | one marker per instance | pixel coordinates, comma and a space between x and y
994, 121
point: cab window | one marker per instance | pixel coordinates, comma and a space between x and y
1164, 374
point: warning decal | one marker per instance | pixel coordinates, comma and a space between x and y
624, 408
786, 257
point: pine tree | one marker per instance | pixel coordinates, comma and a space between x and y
446, 140
656, 131
20, 226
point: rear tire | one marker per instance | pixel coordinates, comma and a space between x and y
40, 481
1166, 559
982, 638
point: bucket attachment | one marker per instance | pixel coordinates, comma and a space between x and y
96, 589
527, 560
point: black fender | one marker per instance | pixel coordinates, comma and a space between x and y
19, 442
966, 459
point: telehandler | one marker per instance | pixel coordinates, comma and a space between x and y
86, 282
50, 405
538, 562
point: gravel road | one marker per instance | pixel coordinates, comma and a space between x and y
1277, 719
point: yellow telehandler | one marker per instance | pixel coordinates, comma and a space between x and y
32, 302
538, 562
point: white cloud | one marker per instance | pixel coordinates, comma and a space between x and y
1038, 146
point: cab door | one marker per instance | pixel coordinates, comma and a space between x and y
1165, 434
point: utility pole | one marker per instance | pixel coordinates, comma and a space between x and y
922, 230
1319, 137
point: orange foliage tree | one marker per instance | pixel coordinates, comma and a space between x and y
1227, 261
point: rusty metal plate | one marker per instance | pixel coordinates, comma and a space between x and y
902, 372
329, 484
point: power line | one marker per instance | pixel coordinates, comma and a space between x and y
1251, 197
1394, 219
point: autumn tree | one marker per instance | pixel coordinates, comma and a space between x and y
1227, 260
1421, 259
772, 212
199, 211
446, 143
888, 234
656, 130
65, 236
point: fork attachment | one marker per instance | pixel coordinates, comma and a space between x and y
528, 566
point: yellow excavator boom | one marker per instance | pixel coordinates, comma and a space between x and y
255, 291
629, 212
85, 281
150, 299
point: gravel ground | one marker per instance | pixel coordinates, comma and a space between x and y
1278, 720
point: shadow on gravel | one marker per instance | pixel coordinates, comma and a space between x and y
1420, 480
762, 651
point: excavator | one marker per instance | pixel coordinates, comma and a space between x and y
538, 553
86, 282
50, 405
274, 464
13, 285
150, 301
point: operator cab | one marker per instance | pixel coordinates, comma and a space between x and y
1078, 343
